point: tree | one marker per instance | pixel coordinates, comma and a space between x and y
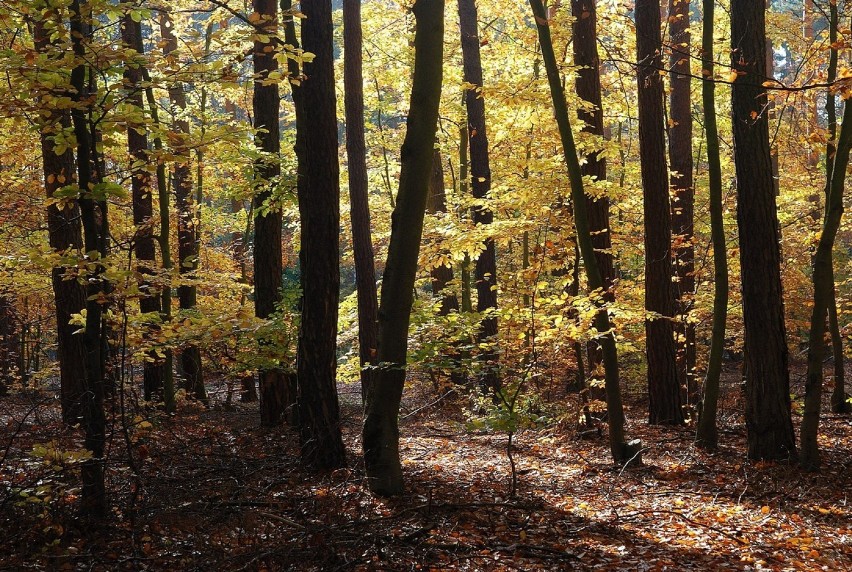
64, 234
663, 382
485, 269
768, 422
621, 451
188, 238
381, 425
319, 209
682, 188
276, 395
356, 153
706, 435
140, 182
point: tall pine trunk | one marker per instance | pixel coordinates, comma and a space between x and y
381, 426
663, 383
319, 209
683, 191
768, 422
485, 268
356, 153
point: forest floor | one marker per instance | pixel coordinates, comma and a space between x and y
211, 490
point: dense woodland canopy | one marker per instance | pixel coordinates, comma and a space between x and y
469, 285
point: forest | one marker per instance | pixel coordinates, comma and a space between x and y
415, 285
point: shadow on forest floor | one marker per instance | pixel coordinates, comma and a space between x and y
213, 491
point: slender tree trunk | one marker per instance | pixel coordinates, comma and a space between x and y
823, 290
319, 207
464, 178
9, 345
64, 233
436, 203
621, 451
707, 436
663, 383
485, 270
588, 87
356, 153
93, 498
276, 395
768, 421
683, 191
140, 182
381, 427
188, 238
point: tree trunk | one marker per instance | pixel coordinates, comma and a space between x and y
663, 383
276, 395
188, 238
683, 191
485, 269
381, 427
436, 203
356, 153
64, 233
319, 208
621, 451
140, 182
706, 435
93, 498
823, 294
9, 345
768, 422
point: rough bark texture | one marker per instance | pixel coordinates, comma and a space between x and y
93, 497
64, 233
319, 200
277, 397
682, 190
621, 451
588, 88
663, 384
706, 435
381, 426
768, 422
485, 269
359, 206
188, 238
141, 190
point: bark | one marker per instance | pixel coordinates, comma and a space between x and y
188, 238
10, 370
823, 294
663, 384
93, 497
682, 191
436, 203
319, 208
381, 427
768, 422
706, 435
356, 153
621, 451
485, 269
64, 233
276, 396
141, 191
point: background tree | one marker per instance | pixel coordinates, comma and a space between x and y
663, 382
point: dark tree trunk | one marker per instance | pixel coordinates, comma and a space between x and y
188, 238
64, 233
621, 451
485, 269
588, 87
319, 207
276, 395
9, 345
663, 384
381, 426
768, 421
436, 203
683, 191
356, 153
141, 189
93, 498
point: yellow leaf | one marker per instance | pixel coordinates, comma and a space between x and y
732, 76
